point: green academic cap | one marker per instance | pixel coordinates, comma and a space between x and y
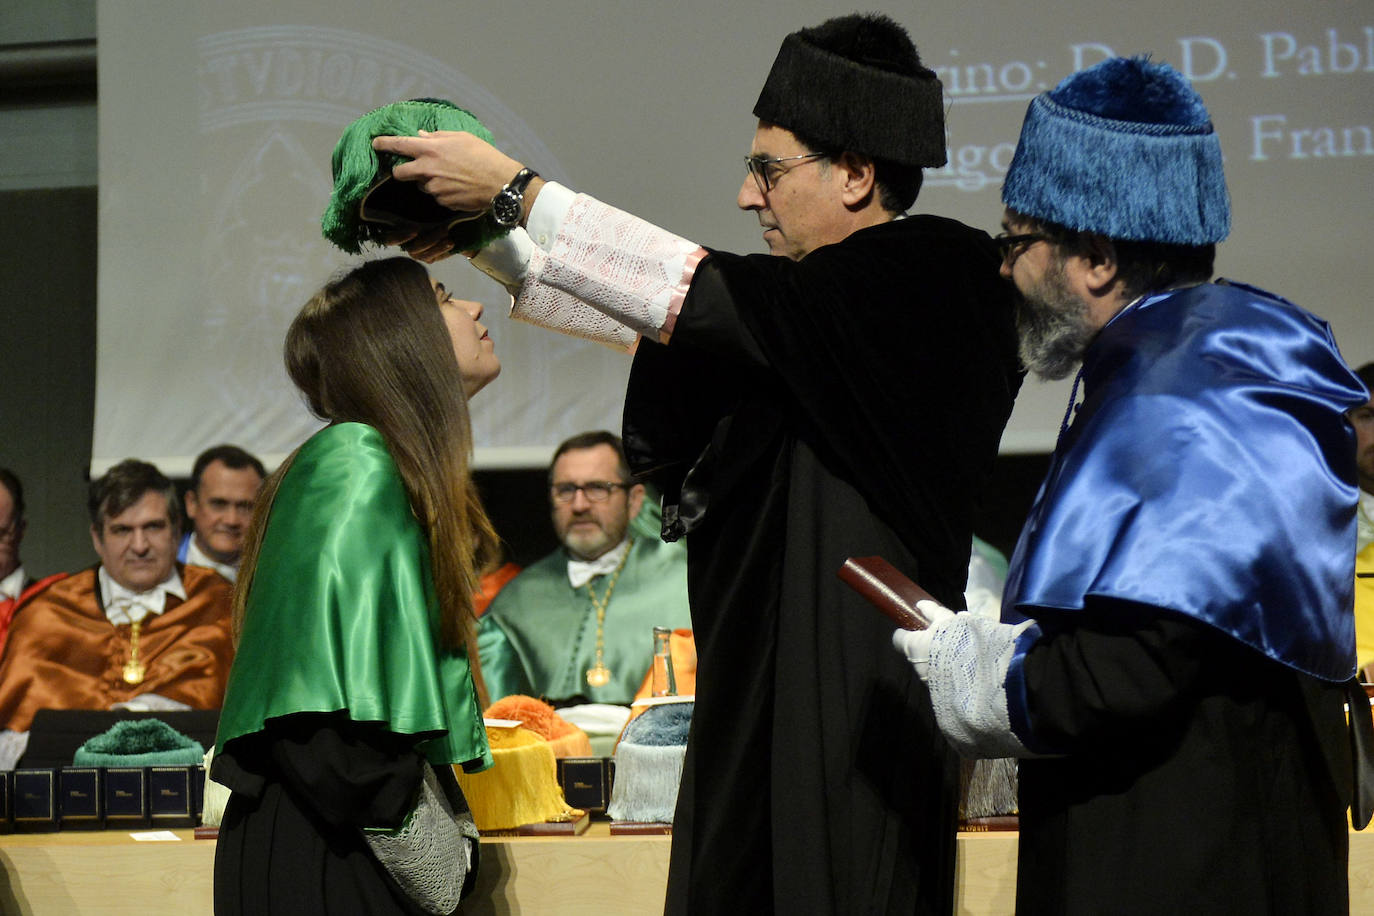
367, 202
139, 743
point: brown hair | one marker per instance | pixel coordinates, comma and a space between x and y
231, 456
591, 440
372, 347
125, 484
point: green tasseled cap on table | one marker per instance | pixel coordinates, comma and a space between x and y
361, 174
139, 743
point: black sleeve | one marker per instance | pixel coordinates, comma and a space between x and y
711, 322
1114, 669
350, 773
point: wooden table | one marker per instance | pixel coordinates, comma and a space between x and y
595, 874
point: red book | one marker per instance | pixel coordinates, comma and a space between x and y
887, 589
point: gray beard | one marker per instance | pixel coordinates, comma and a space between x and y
1053, 328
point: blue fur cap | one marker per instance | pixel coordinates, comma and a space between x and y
1124, 149
661, 726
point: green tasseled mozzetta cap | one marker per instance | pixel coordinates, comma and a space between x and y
139, 743
367, 202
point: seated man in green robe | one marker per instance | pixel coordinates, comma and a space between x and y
578, 624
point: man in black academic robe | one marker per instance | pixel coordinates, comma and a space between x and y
848, 404
842, 397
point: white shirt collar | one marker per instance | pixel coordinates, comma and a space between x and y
124, 606
1364, 521
13, 584
197, 557
580, 572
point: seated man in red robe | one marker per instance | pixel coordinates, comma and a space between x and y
137, 625
16, 586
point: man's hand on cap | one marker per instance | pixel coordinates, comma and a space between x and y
458, 169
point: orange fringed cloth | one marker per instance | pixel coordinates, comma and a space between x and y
564, 738
62, 653
522, 785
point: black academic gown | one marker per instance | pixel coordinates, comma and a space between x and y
844, 405
292, 842
1199, 776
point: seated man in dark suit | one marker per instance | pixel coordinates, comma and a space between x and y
219, 505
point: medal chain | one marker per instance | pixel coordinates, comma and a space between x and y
599, 675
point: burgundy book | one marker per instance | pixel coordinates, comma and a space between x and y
575, 827
641, 828
995, 822
887, 589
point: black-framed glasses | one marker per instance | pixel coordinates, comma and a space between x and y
1011, 245
597, 491
767, 171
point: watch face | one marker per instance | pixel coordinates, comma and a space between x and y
505, 208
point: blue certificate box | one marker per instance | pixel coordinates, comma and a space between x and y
79, 798
35, 800
169, 797
586, 782
197, 792
126, 797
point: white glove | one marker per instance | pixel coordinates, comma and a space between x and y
915, 644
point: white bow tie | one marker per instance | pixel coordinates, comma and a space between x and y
133, 610
123, 606
580, 572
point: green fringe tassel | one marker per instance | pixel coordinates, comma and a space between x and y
357, 166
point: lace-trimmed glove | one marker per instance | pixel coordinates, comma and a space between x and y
964, 659
915, 644
430, 854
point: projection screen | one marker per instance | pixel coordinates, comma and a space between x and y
217, 121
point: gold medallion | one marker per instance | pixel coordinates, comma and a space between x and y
598, 676
133, 668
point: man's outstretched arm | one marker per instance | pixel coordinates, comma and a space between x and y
578, 252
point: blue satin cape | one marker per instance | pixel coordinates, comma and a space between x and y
342, 615
1210, 471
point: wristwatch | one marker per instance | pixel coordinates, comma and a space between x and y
509, 203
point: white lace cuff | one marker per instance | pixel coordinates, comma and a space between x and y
630, 270
969, 659
507, 261
549, 307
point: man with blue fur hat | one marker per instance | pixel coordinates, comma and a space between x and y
1178, 639
843, 396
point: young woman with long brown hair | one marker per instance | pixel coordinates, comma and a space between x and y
354, 688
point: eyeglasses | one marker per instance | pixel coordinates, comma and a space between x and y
1011, 246
766, 170
597, 491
